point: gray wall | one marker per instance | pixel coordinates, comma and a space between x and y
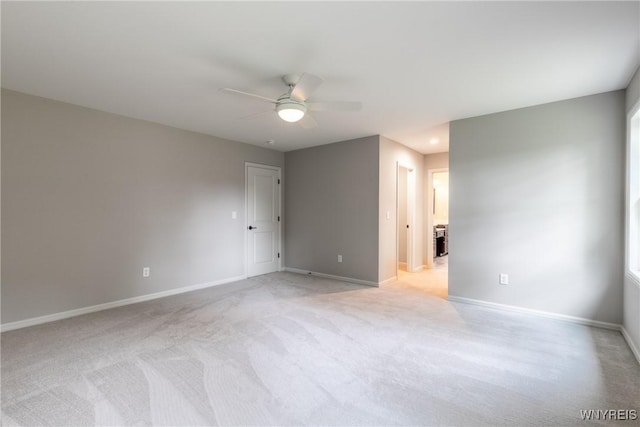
89, 198
331, 208
631, 309
391, 154
538, 193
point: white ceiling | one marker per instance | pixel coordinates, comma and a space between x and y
415, 66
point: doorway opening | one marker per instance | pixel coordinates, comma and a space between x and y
440, 219
435, 277
437, 218
428, 273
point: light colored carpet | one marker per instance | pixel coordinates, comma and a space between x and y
288, 349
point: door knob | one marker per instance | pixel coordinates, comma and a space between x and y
252, 227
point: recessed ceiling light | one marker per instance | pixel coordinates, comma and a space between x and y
434, 141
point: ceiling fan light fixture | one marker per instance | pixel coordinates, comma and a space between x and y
291, 111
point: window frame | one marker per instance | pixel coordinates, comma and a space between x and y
632, 202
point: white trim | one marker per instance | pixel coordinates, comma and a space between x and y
331, 276
419, 268
631, 163
631, 344
633, 278
410, 199
389, 280
556, 316
100, 307
278, 169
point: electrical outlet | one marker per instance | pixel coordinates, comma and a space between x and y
339, 258
146, 272
504, 279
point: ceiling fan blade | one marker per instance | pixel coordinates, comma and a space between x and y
334, 106
255, 115
305, 86
307, 122
253, 95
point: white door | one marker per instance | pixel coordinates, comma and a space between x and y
263, 220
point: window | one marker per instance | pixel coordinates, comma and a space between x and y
633, 192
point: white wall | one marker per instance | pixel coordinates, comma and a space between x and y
441, 185
402, 215
436, 161
538, 193
89, 198
392, 153
631, 306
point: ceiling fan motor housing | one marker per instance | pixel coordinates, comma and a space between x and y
290, 79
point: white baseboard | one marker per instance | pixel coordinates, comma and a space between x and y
331, 276
632, 345
389, 280
556, 316
403, 266
92, 309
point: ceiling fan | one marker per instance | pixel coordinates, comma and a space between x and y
293, 105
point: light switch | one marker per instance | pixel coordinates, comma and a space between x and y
234, 215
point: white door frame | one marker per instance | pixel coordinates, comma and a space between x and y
430, 224
247, 165
411, 205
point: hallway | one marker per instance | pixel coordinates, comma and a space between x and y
433, 281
